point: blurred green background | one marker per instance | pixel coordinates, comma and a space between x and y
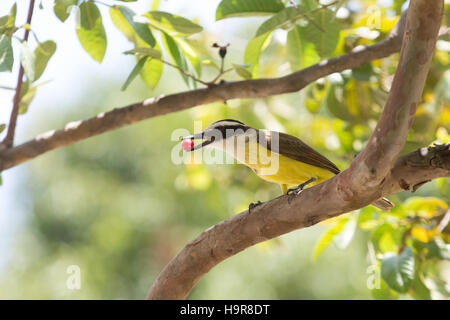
118, 207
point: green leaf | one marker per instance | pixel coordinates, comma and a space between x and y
242, 72
328, 236
136, 70
7, 23
191, 54
122, 15
127, 0
2, 127
155, 5
419, 289
384, 238
26, 99
150, 52
6, 54
253, 51
301, 54
28, 60
245, 8
384, 292
43, 53
172, 24
335, 104
287, 15
175, 54
62, 8
324, 40
151, 71
91, 32
398, 270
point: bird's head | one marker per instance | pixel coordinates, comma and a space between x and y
216, 134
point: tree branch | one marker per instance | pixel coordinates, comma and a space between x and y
374, 173
278, 217
258, 88
9, 138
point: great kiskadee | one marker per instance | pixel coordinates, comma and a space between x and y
273, 156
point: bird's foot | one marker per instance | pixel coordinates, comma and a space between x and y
253, 205
296, 191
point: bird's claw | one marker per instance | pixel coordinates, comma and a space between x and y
253, 205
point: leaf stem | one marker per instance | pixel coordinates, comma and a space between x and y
9, 138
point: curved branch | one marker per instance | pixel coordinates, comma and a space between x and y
374, 173
278, 217
258, 88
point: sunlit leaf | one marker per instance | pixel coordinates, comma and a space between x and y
150, 52
123, 19
26, 100
155, 5
191, 54
6, 54
2, 127
7, 23
91, 32
244, 8
172, 24
175, 54
242, 71
253, 51
28, 60
62, 8
384, 238
421, 234
152, 71
425, 206
343, 238
43, 53
398, 270
136, 70
328, 236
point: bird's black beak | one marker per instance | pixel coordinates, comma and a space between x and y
200, 135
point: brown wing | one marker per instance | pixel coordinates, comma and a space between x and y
294, 148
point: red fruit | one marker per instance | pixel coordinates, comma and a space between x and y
187, 144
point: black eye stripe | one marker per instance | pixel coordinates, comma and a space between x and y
227, 129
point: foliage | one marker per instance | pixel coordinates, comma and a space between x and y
408, 247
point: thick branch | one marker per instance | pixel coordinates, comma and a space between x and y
278, 217
387, 141
374, 173
83, 129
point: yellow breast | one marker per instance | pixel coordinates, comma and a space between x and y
277, 168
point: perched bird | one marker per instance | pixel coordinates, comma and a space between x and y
273, 156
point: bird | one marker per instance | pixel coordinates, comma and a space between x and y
274, 156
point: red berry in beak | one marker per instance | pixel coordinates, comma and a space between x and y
187, 144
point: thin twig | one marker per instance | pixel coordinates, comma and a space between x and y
7, 88
186, 73
9, 138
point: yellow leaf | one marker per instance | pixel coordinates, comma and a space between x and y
425, 206
420, 234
